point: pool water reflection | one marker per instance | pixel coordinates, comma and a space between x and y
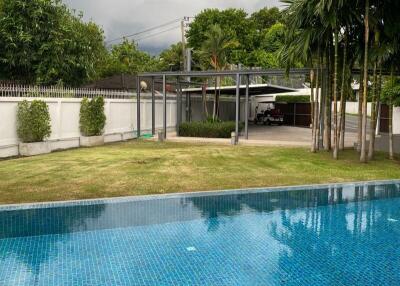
325, 235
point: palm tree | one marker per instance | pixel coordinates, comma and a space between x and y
331, 15
349, 39
363, 157
391, 91
305, 39
379, 52
215, 49
391, 96
335, 93
336, 27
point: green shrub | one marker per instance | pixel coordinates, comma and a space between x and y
208, 129
33, 121
292, 99
92, 118
391, 92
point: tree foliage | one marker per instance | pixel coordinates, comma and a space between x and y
391, 92
266, 18
126, 58
251, 34
340, 36
171, 59
216, 47
42, 41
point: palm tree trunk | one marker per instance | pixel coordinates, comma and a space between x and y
218, 98
363, 157
343, 126
373, 116
316, 108
391, 153
312, 111
328, 104
327, 115
360, 109
342, 123
204, 98
215, 99
335, 93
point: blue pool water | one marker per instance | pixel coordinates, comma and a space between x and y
326, 235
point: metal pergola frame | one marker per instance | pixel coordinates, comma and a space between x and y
232, 73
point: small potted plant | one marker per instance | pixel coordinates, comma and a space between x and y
33, 127
92, 121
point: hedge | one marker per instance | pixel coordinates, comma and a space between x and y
292, 99
91, 117
207, 129
33, 121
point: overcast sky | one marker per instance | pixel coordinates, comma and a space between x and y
124, 17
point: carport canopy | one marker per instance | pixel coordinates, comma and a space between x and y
235, 90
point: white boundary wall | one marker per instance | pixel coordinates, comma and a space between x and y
352, 107
64, 112
396, 120
120, 125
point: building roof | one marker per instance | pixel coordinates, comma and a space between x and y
254, 89
129, 82
121, 82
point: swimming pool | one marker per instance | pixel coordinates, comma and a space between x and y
345, 234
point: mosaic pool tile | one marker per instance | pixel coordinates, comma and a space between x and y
325, 235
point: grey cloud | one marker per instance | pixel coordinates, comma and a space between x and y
121, 17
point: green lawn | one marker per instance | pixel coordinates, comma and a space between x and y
138, 168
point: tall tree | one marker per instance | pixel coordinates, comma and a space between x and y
42, 41
265, 18
235, 26
308, 34
391, 96
215, 48
171, 59
363, 156
126, 58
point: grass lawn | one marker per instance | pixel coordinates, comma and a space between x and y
139, 168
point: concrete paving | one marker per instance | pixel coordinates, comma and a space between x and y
290, 135
264, 135
267, 136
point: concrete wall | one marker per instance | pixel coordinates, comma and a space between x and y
352, 107
64, 113
396, 121
227, 108
382, 143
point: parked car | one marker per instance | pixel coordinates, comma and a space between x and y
266, 113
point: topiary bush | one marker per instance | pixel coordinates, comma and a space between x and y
208, 129
91, 117
293, 99
33, 121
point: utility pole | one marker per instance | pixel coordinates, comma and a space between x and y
186, 53
183, 44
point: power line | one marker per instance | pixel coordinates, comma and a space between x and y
156, 34
144, 31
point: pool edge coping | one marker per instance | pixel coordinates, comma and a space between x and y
123, 199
